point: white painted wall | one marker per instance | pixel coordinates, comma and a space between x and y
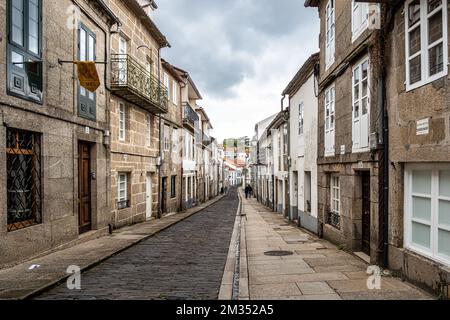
303, 151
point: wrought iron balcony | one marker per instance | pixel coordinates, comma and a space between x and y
131, 81
206, 140
190, 117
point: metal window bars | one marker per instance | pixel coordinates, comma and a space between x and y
24, 198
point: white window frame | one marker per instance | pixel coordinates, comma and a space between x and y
358, 148
330, 33
175, 140
120, 189
148, 136
166, 138
175, 93
423, 52
166, 81
301, 119
122, 122
335, 188
434, 223
360, 15
330, 104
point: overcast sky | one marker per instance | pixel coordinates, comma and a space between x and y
240, 53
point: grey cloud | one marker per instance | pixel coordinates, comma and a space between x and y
245, 27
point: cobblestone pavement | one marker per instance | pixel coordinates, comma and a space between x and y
185, 261
316, 270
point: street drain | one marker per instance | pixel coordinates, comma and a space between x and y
279, 253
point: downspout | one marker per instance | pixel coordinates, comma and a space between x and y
384, 140
160, 142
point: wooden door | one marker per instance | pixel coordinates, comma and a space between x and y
149, 200
366, 213
84, 187
164, 195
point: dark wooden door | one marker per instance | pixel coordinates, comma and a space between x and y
366, 213
84, 187
164, 195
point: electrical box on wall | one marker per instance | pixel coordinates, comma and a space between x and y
373, 141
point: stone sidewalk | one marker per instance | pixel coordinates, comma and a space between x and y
21, 282
317, 269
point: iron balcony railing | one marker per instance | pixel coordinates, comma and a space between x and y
206, 140
131, 81
123, 204
190, 117
334, 219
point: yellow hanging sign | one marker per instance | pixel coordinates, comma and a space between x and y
88, 75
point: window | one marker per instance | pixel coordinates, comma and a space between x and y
86, 52
361, 106
175, 140
330, 34
300, 119
166, 138
25, 49
426, 42
23, 149
329, 121
175, 92
122, 122
360, 18
173, 186
335, 194
334, 218
122, 199
148, 135
166, 81
123, 65
427, 206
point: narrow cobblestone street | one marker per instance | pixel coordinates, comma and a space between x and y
316, 269
185, 261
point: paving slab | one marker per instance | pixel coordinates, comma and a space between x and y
318, 268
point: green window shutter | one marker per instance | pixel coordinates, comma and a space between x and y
25, 49
87, 101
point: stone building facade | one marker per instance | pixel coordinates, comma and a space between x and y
303, 145
54, 159
349, 126
171, 169
418, 104
138, 102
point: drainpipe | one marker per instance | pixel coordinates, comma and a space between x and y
160, 146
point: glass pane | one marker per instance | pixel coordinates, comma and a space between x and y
414, 41
82, 45
415, 70
17, 21
444, 183
356, 107
91, 48
365, 69
17, 58
435, 27
356, 97
433, 4
364, 88
414, 12
444, 242
364, 106
421, 208
444, 213
421, 235
421, 182
356, 75
436, 59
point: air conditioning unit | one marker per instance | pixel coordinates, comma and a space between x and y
373, 141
